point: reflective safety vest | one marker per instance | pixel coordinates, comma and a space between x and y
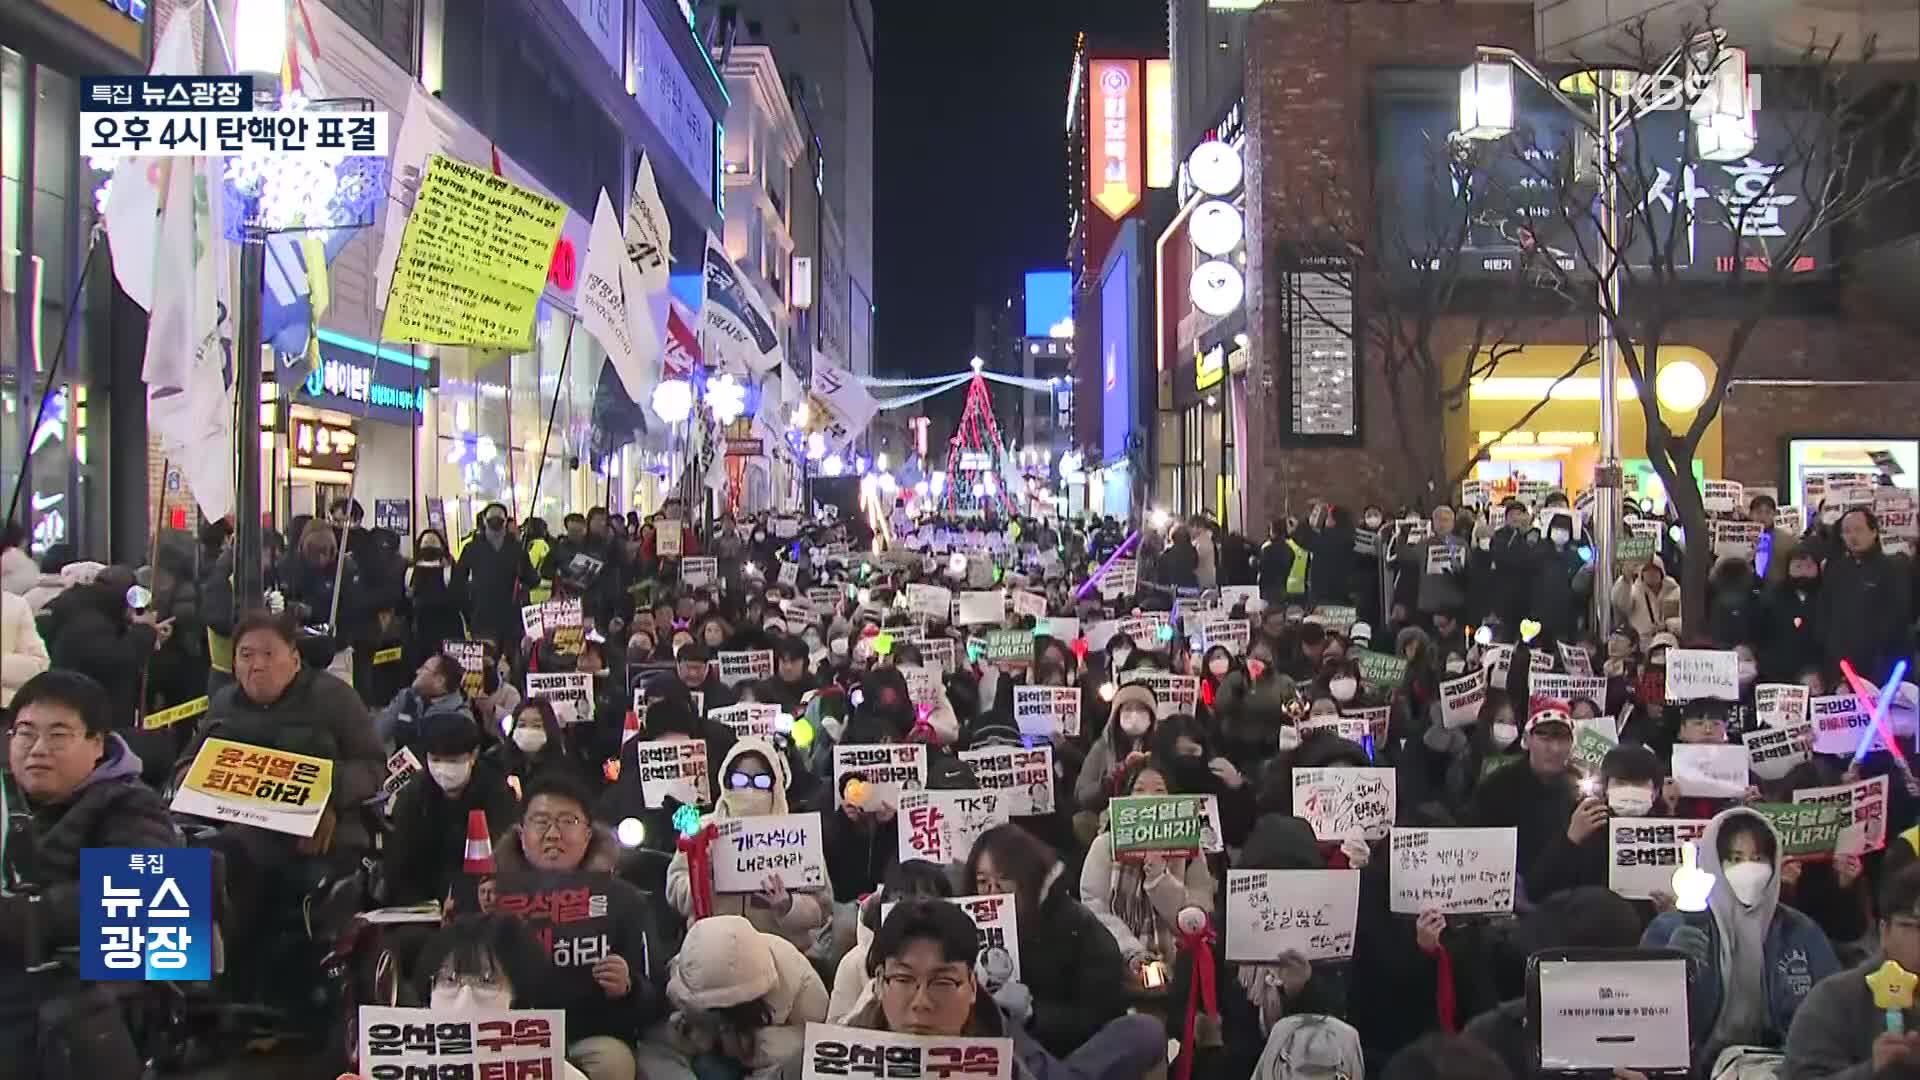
1297, 573
537, 554
219, 652
1912, 837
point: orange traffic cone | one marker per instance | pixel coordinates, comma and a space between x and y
479, 857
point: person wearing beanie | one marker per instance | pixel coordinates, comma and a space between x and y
1131, 713
1535, 795
1647, 599
754, 781
1628, 786
739, 995
423, 853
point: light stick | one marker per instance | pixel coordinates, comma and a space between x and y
1864, 690
1094, 579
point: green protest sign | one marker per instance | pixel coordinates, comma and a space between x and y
1590, 748
1142, 824
1806, 828
1381, 670
1010, 646
1633, 550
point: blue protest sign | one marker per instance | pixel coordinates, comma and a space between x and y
146, 914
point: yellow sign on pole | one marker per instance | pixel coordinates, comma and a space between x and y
473, 261
252, 785
164, 718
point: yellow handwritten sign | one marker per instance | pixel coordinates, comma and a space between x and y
473, 261
388, 656
163, 718
252, 785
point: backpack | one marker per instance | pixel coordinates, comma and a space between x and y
1307, 1040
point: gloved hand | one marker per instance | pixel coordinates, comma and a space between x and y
1015, 1000
1692, 941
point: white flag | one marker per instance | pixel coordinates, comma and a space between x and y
736, 328
428, 127
649, 234
844, 396
610, 291
133, 200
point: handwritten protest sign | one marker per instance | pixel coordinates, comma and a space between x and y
924, 684
1023, 778
1047, 712
1806, 829
1460, 698
1274, 912
1339, 617
570, 692
1632, 550
1710, 771
1779, 705
941, 826
751, 718
676, 768
1009, 646
1569, 688
1591, 745
1381, 670
1373, 721
1345, 803
669, 539
1121, 579
252, 785
1773, 752
472, 658
939, 651
1232, 635
1839, 720
699, 571
1173, 694
981, 607
1695, 674
750, 665
748, 849
884, 771
1029, 603
1456, 871
1147, 629
1597, 1017
825, 600
1579, 662
1149, 824
833, 1051
1643, 853
397, 1042
531, 622
1720, 496
1866, 801
1736, 539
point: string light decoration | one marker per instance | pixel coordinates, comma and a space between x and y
977, 434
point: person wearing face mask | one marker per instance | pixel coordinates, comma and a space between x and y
1140, 902
1131, 714
1790, 631
1628, 783
435, 606
1182, 746
1251, 707
1537, 794
536, 742
1558, 588
1751, 959
1733, 603
491, 575
423, 854
753, 783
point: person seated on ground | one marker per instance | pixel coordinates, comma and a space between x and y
609, 1002
1629, 784
1753, 959
913, 878
1310, 1046
482, 962
742, 1001
536, 742
1068, 960
1839, 1031
1139, 901
71, 784
435, 690
924, 983
753, 782
426, 850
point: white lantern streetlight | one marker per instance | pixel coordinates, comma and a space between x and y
1486, 99
672, 400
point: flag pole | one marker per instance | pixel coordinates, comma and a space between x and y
539, 468
59, 356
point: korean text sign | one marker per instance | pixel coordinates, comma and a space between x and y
1047, 712
1345, 803
833, 1051
677, 768
1148, 824
1023, 778
1272, 912
570, 914
251, 785
1643, 853
504, 1044
1866, 830
1457, 871
746, 851
885, 769
1614, 1014
146, 914
941, 826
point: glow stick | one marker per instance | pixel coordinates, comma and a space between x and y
1093, 580
1864, 690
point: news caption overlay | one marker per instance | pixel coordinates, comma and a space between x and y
146, 914
214, 116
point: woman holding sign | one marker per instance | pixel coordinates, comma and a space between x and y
753, 783
1139, 902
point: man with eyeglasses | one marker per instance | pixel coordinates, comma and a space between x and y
1841, 1030
922, 965
72, 783
611, 1000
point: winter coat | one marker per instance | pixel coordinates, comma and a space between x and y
1179, 566
812, 907
89, 632
1206, 561
1276, 566
1186, 883
1515, 796
1438, 592
1072, 966
311, 587
638, 936
1866, 607
1833, 1031
317, 715
22, 654
1126, 1049
1790, 636
18, 571
407, 713
725, 961
436, 609
1645, 611
489, 581
1556, 597
426, 850
1330, 563
1733, 604
1510, 575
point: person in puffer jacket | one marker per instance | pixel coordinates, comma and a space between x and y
737, 994
1139, 902
753, 783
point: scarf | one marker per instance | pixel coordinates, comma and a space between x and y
1201, 994
698, 848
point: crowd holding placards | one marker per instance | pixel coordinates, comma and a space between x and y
782, 795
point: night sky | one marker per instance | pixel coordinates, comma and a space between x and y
969, 138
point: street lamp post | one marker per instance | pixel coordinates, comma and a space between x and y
1709, 80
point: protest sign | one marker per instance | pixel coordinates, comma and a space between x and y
833, 1051
1806, 829
1773, 752
699, 571
1101, 633
570, 693
1147, 629
1497, 662
1643, 853
569, 913
1343, 804
751, 665
1232, 635
1029, 603
1456, 871
746, 850
1011, 647
1373, 725
1023, 778
1580, 663
1460, 698
1591, 745
996, 920
1173, 694
751, 718
1351, 728
1736, 539
1569, 688
1780, 705
472, 658
1381, 670
1839, 720
397, 1042
1274, 912
979, 608
1710, 770
930, 601
941, 826
1121, 579
1635, 551
1720, 496
1060, 628
565, 622
923, 684
939, 651
826, 600
1866, 801
1601, 1016
1047, 712
669, 539
1337, 617
252, 785
883, 770
1152, 824
1694, 674
1238, 596
402, 766
1473, 492
677, 768
530, 621
1442, 559
473, 260
1191, 611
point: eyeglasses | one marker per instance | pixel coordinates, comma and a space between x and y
541, 824
739, 780
911, 986
56, 739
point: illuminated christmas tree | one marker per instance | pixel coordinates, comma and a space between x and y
975, 455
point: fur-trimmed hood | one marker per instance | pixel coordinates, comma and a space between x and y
603, 852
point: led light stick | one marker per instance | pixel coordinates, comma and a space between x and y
1864, 690
1094, 578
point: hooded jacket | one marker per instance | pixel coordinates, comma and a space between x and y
1106, 755
407, 713
724, 962
812, 908
1125, 1050
1794, 951
426, 848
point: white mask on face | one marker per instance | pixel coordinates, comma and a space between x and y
1343, 688
1829, 517
466, 999
1456, 665
1218, 666
1749, 671
1136, 722
748, 802
1748, 881
1372, 521
1288, 740
1504, 734
1560, 537
1629, 800
450, 775
1119, 656
530, 738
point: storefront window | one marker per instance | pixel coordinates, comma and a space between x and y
1193, 495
